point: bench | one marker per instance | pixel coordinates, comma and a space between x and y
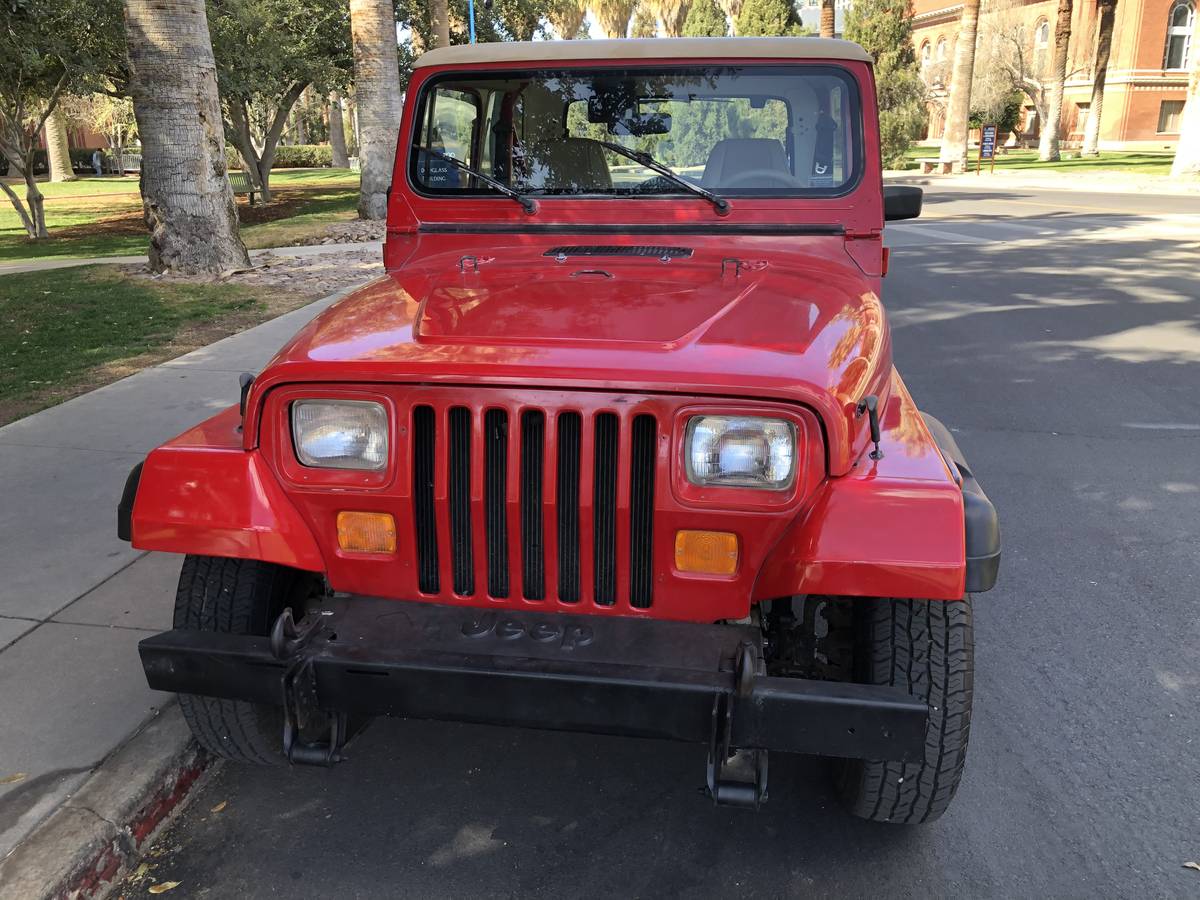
932, 165
240, 182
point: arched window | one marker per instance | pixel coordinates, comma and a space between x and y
1041, 42
925, 55
1180, 23
940, 56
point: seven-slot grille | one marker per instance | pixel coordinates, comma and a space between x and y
597, 469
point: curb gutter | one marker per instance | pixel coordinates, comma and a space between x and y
81, 849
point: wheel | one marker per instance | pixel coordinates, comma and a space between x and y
235, 596
928, 647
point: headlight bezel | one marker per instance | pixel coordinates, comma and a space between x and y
277, 434
807, 440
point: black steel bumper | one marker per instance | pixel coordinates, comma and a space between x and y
980, 519
679, 681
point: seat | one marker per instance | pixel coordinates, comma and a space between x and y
575, 165
733, 156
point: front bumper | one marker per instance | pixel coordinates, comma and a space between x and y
671, 680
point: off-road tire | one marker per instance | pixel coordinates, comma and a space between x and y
234, 596
926, 646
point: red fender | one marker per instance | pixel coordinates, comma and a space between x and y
201, 493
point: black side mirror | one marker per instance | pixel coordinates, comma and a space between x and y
901, 201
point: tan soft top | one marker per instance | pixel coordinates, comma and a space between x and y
650, 49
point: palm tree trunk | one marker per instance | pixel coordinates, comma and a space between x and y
732, 9
958, 106
1187, 153
186, 198
1052, 127
1091, 134
828, 19
377, 93
439, 15
58, 147
337, 133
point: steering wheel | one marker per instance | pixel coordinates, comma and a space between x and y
782, 178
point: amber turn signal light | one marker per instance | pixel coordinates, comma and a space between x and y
366, 532
706, 552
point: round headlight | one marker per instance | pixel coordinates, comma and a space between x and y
340, 434
740, 451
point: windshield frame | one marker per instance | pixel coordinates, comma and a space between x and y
648, 68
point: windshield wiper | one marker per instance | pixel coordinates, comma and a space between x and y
720, 204
526, 203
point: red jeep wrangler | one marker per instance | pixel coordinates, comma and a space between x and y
615, 445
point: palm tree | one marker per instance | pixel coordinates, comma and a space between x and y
337, 132
1048, 146
377, 93
828, 19
645, 25
1187, 153
58, 148
186, 198
672, 14
732, 9
566, 16
613, 16
439, 19
1091, 133
958, 105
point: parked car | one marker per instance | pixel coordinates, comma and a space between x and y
608, 448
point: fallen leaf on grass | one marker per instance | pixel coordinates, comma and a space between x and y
13, 778
165, 886
220, 806
1192, 865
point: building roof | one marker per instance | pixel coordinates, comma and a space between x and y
756, 48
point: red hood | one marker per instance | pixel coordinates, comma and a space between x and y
783, 318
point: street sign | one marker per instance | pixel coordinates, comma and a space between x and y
987, 148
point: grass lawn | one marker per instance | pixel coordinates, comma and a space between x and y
1135, 162
103, 216
66, 331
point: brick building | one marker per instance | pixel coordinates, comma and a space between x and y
1147, 72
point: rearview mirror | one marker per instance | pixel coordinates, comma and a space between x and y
901, 201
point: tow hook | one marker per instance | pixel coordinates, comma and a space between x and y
736, 778
301, 709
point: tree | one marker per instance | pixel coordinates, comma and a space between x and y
186, 198
1187, 152
58, 146
766, 18
566, 17
1052, 125
705, 19
268, 52
672, 14
958, 105
48, 50
1091, 133
732, 9
439, 22
337, 132
377, 93
884, 29
613, 16
828, 19
645, 25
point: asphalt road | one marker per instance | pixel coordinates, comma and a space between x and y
1059, 334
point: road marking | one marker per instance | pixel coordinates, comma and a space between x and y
1162, 426
948, 237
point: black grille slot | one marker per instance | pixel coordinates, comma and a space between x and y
618, 250
604, 509
495, 492
569, 442
533, 451
641, 511
424, 432
460, 501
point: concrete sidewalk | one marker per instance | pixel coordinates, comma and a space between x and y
42, 265
74, 600
1054, 180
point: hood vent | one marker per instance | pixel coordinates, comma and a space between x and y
663, 253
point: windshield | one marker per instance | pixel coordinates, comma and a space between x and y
750, 130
